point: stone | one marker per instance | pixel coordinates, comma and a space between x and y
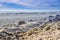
21, 22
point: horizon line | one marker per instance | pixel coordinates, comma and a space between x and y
3, 11
26, 10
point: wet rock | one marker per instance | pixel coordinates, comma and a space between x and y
51, 18
57, 18
10, 26
14, 30
21, 22
9, 38
31, 20
2, 37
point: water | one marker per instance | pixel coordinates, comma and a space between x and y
15, 18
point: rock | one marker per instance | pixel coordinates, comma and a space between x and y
57, 18
9, 38
32, 30
21, 22
2, 37
14, 30
10, 26
49, 32
51, 18
31, 20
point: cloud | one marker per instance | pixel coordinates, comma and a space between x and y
19, 2
32, 3
2, 6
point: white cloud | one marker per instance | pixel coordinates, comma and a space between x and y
32, 3
0, 5
24, 2
3, 7
20, 2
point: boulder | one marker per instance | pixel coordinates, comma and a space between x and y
21, 22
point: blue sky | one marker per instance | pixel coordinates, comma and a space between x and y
30, 4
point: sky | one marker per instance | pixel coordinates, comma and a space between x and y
30, 4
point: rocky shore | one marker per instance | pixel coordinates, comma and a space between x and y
46, 30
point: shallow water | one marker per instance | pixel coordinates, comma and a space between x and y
15, 18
